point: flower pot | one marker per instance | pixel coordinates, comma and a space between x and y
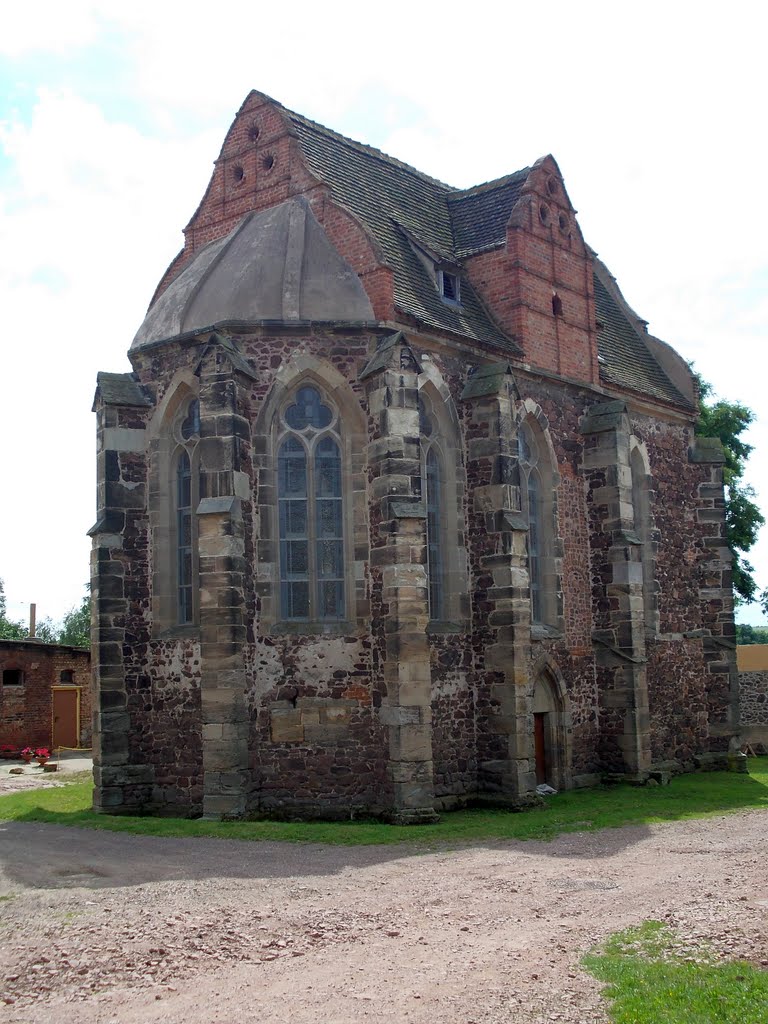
41, 761
26, 758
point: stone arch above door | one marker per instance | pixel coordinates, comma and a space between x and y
551, 721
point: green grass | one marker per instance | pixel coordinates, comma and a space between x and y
649, 982
688, 796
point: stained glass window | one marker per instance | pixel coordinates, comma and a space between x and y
308, 411
186, 499
528, 451
310, 504
434, 536
184, 537
534, 544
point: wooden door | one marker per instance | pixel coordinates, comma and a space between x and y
66, 717
540, 747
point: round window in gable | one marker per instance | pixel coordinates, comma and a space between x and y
238, 174
254, 132
268, 162
544, 213
564, 224
552, 186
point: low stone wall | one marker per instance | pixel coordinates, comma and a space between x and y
753, 691
754, 698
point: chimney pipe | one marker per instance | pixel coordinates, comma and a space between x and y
32, 621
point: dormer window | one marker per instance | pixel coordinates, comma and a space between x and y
449, 286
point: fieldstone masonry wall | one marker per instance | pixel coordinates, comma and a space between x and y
754, 698
627, 661
753, 683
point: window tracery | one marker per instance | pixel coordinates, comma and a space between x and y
187, 498
433, 494
531, 491
641, 505
310, 510
538, 479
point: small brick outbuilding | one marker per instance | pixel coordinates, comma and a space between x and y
45, 694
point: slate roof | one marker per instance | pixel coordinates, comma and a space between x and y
397, 201
626, 359
121, 389
480, 214
387, 196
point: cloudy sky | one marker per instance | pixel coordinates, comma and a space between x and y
111, 115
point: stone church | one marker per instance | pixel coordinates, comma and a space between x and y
400, 506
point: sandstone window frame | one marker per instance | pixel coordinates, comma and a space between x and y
316, 498
437, 414
304, 369
167, 444
539, 481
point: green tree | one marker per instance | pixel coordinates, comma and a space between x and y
9, 630
746, 634
74, 630
76, 625
743, 519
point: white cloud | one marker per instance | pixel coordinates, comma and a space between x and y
49, 26
653, 112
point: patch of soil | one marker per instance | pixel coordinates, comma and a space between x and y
117, 929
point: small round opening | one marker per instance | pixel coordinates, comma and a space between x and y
552, 186
544, 213
237, 173
254, 132
268, 162
564, 223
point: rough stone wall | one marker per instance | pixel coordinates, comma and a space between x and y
694, 643
453, 719
317, 740
677, 698
26, 710
754, 698
164, 703
316, 747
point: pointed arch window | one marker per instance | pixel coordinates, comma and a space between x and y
186, 500
433, 494
532, 496
434, 534
538, 501
641, 504
310, 510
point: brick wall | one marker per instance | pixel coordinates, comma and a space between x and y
26, 709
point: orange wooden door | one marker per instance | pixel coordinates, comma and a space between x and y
66, 725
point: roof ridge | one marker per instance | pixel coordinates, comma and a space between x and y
488, 186
363, 147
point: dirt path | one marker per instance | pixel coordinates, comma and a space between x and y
103, 927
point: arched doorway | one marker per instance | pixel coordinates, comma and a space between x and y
549, 734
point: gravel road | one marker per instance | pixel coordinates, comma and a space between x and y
104, 927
